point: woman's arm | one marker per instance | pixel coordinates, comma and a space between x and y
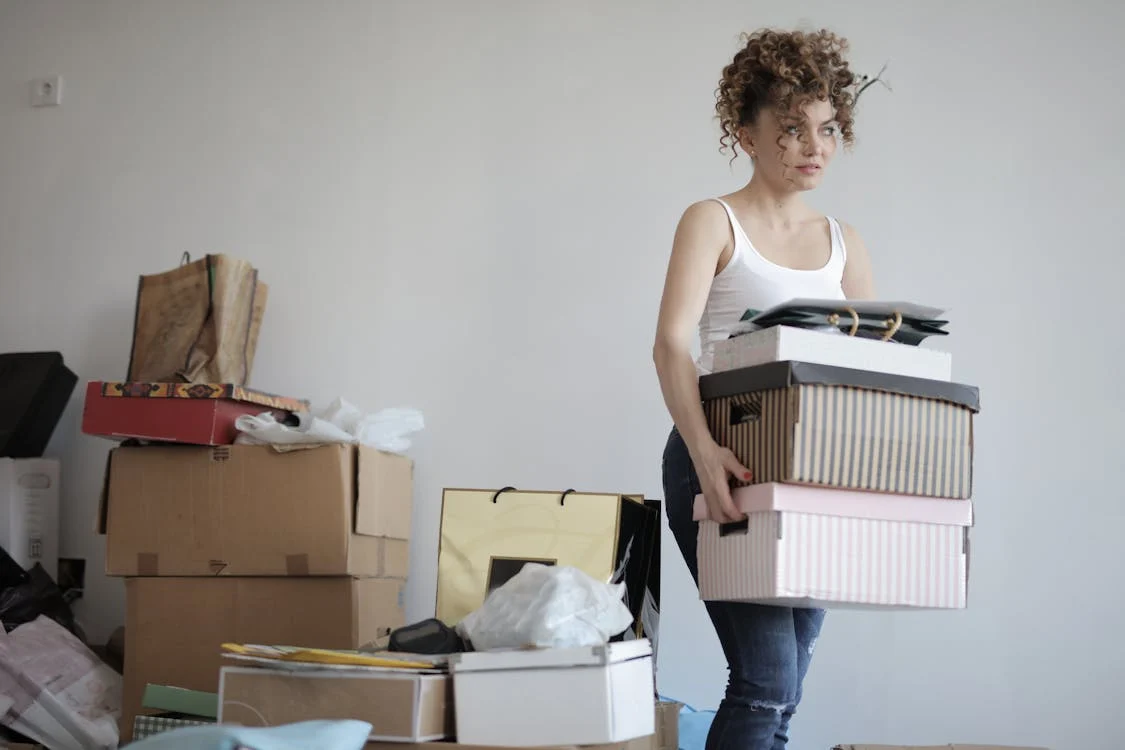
701, 238
857, 282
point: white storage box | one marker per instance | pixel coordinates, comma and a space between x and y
29, 512
811, 547
552, 697
782, 343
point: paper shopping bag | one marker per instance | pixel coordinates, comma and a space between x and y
487, 536
902, 322
198, 323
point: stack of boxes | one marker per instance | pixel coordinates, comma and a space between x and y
861, 452
525, 697
251, 544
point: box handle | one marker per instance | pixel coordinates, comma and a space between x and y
745, 408
734, 527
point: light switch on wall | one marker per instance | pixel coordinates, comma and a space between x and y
46, 92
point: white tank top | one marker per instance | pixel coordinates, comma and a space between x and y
749, 281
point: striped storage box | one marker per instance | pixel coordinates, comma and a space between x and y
811, 547
806, 423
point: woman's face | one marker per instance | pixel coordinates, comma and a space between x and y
792, 149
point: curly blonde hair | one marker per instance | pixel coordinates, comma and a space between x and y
782, 70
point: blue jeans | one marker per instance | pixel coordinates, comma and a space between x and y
768, 649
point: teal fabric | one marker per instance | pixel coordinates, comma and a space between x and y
323, 735
693, 725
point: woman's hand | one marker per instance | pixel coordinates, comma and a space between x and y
715, 465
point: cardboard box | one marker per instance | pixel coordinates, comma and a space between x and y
29, 512
487, 536
541, 697
175, 627
188, 413
248, 510
401, 706
811, 547
836, 427
781, 343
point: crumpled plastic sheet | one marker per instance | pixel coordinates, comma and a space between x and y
340, 422
548, 606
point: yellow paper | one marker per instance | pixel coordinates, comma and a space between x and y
324, 656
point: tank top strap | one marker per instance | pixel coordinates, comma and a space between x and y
738, 234
839, 249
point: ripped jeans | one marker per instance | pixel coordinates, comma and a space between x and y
768, 649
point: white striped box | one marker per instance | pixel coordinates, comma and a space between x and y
811, 547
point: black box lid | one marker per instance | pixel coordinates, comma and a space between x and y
789, 373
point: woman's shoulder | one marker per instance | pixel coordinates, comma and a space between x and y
706, 210
706, 218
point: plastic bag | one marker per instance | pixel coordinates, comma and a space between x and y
693, 726
340, 422
39, 595
545, 606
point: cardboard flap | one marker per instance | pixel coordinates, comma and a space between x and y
384, 493
103, 498
775, 375
839, 502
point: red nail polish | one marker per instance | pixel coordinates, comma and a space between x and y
746, 475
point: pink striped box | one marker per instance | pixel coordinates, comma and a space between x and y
811, 547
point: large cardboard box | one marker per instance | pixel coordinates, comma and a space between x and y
487, 536
175, 627
781, 343
816, 424
29, 512
812, 547
249, 510
401, 706
542, 697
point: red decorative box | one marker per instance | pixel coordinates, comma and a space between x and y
191, 413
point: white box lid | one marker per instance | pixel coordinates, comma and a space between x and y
834, 501
550, 658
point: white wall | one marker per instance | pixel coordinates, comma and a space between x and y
467, 207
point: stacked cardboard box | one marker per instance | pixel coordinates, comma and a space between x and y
862, 476
250, 544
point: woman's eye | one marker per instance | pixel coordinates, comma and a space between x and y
830, 130
792, 130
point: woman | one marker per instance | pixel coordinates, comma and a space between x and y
785, 100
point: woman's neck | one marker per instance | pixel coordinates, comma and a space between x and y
777, 208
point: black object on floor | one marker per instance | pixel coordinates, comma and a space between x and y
430, 636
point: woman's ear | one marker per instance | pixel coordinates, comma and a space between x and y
746, 141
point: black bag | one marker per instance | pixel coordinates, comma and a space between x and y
39, 595
901, 322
